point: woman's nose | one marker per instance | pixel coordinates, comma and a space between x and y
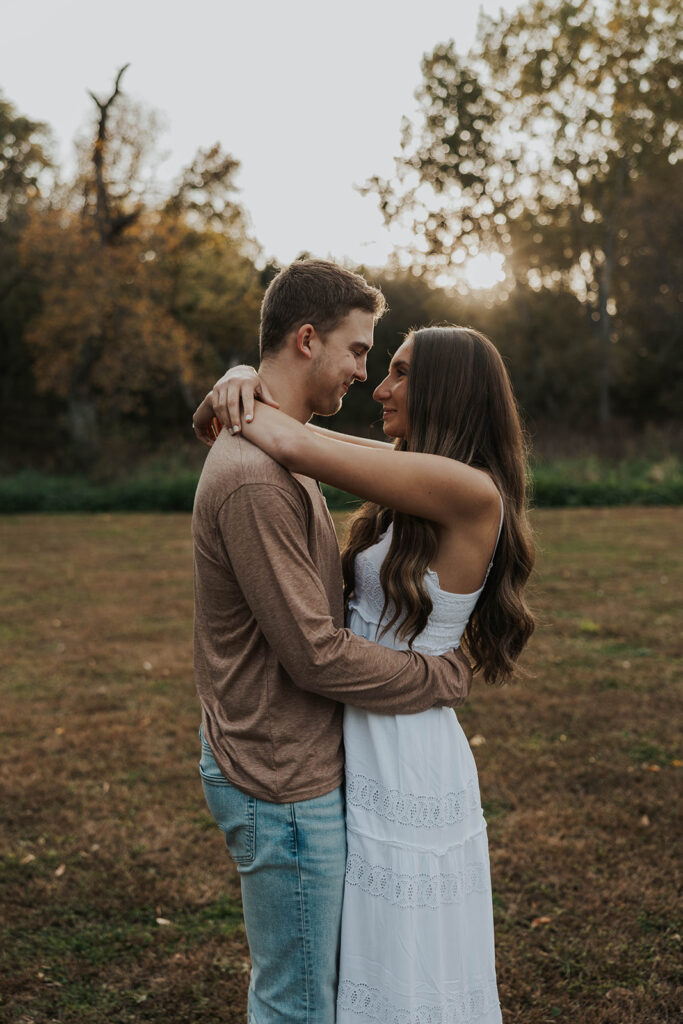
381, 392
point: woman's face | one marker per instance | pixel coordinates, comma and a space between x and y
393, 393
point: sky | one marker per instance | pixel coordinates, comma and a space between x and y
308, 95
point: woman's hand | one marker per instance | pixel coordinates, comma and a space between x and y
233, 394
205, 425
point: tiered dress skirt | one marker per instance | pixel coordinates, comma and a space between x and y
417, 942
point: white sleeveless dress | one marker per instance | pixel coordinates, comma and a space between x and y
417, 923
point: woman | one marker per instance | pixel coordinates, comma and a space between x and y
441, 551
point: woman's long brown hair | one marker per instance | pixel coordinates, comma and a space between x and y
461, 405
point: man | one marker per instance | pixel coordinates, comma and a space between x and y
273, 662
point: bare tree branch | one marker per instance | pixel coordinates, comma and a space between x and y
109, 224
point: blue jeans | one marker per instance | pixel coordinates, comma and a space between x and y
291, 860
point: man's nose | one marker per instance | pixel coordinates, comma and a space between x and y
361, 373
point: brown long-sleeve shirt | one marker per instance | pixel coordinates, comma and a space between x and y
272, 659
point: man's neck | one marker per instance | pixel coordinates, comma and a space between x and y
287, 388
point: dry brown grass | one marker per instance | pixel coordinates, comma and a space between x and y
105, 829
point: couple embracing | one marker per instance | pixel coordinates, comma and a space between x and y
331, 756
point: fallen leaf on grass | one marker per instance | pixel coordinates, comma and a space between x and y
28, 858
60, 870
538, 921
477, 740
644, 821
163, 920
588, 626
618, 993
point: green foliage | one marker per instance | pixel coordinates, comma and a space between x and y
551, 491
595, 482
35, 492
567, 483
24, 158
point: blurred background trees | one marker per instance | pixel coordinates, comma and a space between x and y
557, 143
133, 300
553, 147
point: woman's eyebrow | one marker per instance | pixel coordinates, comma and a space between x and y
399, 362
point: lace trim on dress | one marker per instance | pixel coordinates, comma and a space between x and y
465, 1007
411, 808
420, 890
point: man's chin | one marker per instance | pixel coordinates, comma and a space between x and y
328, 408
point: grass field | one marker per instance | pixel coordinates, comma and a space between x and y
118, 901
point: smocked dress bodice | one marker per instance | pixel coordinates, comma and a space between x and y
447, 621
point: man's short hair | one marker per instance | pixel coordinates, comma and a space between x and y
313, 292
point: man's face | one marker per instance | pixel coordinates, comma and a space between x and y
339, 360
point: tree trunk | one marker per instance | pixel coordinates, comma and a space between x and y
604, 347
83, 428
187, 393
604, 293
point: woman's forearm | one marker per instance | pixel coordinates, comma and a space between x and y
417, 483
276, 433
366, 442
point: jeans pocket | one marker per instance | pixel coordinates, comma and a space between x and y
234, 811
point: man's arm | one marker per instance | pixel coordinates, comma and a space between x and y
264, 533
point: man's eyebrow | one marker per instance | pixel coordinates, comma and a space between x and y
363, 344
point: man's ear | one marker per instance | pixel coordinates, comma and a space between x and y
304, 336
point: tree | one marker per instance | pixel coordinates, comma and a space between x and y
648, 300
25, 166
533, 145
133, 288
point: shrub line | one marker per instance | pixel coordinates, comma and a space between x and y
35, 492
